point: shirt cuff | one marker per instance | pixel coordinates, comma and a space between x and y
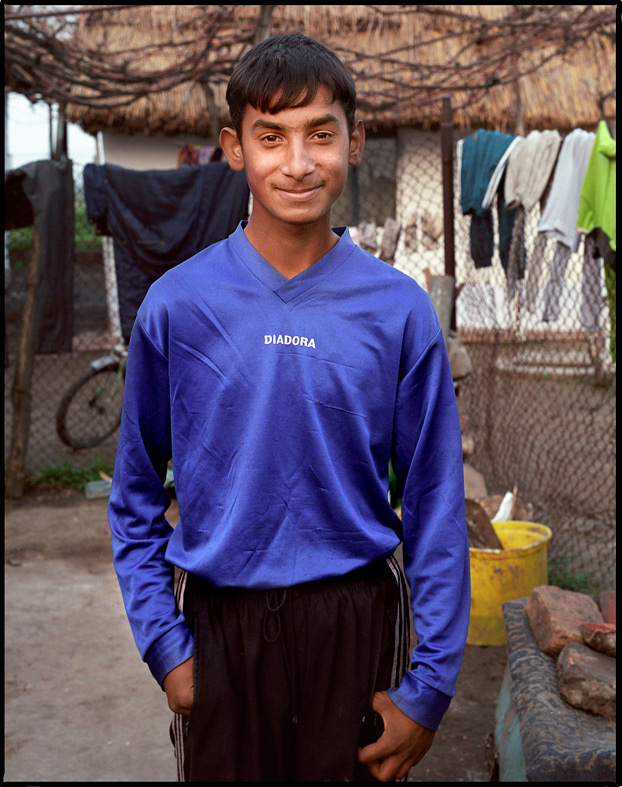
419, 701
171, 650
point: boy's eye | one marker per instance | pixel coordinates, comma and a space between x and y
320, 136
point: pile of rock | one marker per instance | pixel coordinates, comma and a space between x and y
579, 631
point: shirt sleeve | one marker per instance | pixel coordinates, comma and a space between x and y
138, 501
427, 457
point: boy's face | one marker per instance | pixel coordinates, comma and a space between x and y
296, 160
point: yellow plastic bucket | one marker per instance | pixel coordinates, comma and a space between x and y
499, 575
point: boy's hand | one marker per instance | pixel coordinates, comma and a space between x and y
179, 687
402, 744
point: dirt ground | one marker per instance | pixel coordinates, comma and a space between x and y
79, 703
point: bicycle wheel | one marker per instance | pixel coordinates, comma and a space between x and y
90, 411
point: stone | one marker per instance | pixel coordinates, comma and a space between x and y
474, 483
555, 616
459, 359
607, 602
587, 679
468, 445
390, 237
368, 236
411, 241
432, 227
600, 637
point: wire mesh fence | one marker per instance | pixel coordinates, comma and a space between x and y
539, 404
55, 373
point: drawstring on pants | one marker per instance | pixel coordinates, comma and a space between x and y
273, 612
273, 605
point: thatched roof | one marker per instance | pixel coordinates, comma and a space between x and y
404, 59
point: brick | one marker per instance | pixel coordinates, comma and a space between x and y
587, 679
555, 616
607, 602
600, 637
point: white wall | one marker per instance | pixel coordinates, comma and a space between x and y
419, 189
145, 151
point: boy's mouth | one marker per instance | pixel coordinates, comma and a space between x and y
299, 195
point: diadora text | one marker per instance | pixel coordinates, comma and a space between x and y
278, 338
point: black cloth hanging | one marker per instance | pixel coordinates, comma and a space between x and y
159, 218
41, 193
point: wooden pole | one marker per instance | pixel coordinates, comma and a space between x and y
21, 394
447, 154
264, 23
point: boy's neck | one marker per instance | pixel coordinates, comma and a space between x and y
295, 248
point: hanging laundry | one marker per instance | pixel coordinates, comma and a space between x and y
597, 216
528, 172
517, 257
536, 266
537, 259
482, 158
159, 218
555, 286
591, 287
559, 218
529, 167
41, 193
597, 200
194, 155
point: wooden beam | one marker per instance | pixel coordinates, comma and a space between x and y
21, 394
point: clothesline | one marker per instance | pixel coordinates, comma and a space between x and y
574, 181
159, 218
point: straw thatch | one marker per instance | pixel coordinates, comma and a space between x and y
404, 59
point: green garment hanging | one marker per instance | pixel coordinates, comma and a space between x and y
597, 202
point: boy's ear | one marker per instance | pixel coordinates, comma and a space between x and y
232, 149
357, 143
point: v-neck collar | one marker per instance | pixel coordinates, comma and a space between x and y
288, 289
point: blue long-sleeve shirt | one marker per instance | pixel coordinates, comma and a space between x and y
280, 402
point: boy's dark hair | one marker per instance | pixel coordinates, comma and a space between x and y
285, 71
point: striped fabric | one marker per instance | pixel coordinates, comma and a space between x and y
401, 654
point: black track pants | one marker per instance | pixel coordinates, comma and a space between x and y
284, 679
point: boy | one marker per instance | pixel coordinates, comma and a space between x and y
281, 369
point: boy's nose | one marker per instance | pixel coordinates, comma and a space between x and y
298, 163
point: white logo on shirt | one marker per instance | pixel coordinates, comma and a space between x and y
278, 338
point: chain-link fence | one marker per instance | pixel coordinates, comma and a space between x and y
539, 404
55, 373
